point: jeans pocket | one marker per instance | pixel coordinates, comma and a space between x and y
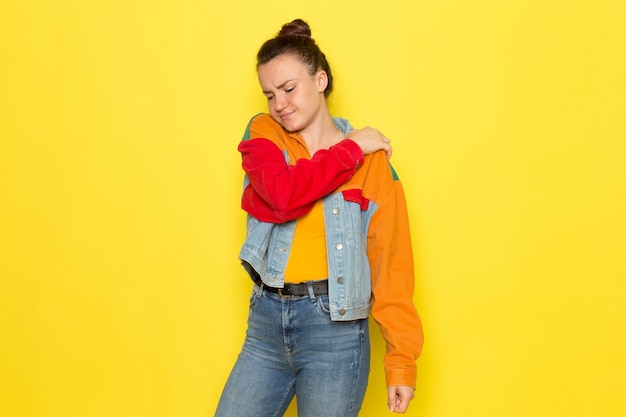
323, 305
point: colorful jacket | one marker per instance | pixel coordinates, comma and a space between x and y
370, 261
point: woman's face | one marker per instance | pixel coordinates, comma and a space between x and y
294, 97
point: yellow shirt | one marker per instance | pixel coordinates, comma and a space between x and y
307, 259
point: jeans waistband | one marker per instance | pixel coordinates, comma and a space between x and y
296, 290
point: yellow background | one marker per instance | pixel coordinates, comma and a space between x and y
120, 290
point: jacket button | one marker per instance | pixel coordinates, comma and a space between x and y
339, 246
342, 312
335, 210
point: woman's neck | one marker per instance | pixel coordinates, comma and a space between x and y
322, 134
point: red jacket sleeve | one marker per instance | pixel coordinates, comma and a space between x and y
278, 192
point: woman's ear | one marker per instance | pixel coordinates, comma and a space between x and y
322, 80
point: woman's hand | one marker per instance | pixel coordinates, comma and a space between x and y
399, 398
371, 140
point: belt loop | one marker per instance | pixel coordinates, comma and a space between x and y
309, 287
259, 290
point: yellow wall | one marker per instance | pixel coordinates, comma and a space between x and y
120, 290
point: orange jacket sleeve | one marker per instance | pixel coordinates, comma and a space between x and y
391, 262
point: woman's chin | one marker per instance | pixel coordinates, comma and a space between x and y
289, 126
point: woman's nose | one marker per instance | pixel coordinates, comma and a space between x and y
279, 103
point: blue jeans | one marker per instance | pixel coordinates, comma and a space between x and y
293, 348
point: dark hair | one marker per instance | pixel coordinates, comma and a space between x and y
295, 38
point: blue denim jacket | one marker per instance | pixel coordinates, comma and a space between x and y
267, 246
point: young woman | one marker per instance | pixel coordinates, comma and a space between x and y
327, 243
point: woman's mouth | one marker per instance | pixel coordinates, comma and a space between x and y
285, 116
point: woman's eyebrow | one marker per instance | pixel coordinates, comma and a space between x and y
279, 86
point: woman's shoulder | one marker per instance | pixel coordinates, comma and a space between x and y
262, 125
263, 119
379, 163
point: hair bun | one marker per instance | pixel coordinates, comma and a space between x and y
296, 27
